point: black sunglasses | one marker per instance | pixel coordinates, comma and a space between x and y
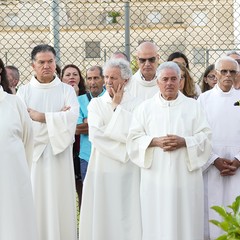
151, 60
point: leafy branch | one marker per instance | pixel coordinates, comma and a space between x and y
230, 223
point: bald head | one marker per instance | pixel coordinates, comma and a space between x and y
148, 58
147, 46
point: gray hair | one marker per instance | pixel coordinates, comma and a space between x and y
123, 65
96, 67
233, 52
226, 58
168, 65
120, 54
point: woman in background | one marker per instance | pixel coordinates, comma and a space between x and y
187, 86
71, 75
179, 57
208, 79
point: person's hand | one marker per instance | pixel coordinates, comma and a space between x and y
226, 167
117, 95
85, 120
36, 116
66, 108
172, 142
169, 142
76, 88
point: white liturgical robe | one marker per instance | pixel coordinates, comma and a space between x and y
224, 119
110, 207
17, 213
171, 181
141, 88
52, 170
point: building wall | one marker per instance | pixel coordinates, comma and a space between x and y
196, 28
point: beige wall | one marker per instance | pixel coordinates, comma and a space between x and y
82, 21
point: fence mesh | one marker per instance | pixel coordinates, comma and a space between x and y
86, 33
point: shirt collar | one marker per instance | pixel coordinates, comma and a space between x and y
143, 78
103, 91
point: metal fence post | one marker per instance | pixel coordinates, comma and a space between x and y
127, 30
54, 28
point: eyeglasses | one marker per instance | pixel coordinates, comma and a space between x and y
224, 72
211, 77
151, 60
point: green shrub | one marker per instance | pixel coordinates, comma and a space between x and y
230, 223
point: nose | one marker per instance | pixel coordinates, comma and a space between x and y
46, 65
147, 62
228, 73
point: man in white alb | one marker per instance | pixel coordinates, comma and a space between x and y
143, 83
54, 109
221, 173
170, 143
110, 206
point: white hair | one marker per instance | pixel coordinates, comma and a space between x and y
233, 52
222, 59
123, 65
168, 65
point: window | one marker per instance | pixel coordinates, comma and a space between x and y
199, 56
92, 49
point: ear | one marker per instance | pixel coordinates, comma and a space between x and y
33, 65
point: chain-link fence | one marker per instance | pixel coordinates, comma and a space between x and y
88, 32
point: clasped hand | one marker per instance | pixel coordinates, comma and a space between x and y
169, 142
226, 167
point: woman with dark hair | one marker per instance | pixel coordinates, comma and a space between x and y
187, 86
71, 75
179, 57
16, 202
208, 79
3, 78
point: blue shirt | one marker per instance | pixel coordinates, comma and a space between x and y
85, 144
